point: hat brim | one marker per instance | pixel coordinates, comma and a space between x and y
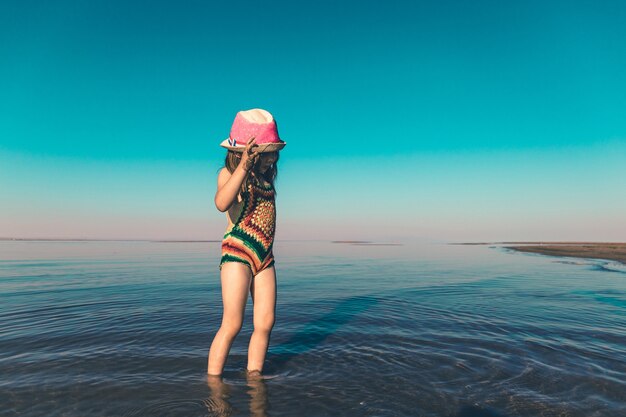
262, 147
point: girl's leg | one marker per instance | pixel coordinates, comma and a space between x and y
263, 290
235, 278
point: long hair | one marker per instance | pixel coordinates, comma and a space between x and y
232, 161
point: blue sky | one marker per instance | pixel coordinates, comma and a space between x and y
442, 120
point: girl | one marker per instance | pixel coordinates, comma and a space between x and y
245, 191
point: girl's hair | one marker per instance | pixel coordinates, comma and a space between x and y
232, 161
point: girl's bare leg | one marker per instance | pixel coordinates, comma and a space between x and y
263, 290
235, 278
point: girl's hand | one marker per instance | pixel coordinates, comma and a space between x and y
249, 155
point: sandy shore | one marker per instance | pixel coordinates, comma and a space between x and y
611, 251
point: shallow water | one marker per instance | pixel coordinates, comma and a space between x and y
124, 328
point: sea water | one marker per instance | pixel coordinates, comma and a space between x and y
121, 328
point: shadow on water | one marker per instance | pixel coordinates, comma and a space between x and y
315, 332
615, 299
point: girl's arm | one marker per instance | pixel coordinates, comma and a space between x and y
228, 184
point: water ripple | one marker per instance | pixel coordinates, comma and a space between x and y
428, 331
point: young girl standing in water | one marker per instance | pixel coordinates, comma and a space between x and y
245, 191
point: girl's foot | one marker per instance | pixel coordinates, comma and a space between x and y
254, 373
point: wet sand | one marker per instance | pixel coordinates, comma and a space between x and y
596, 250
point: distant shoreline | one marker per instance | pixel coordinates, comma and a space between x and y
20, 239
47, 239
365, 243
43, 239
613, 251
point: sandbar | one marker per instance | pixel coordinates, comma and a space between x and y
593, 250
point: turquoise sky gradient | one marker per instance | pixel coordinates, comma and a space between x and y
442, 120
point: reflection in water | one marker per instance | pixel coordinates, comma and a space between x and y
259, 402
218, 403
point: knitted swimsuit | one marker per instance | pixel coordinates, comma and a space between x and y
250, 238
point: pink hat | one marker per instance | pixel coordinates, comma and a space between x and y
258, 123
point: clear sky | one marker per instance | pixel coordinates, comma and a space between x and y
444, 120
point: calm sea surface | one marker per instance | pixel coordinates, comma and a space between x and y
124, 329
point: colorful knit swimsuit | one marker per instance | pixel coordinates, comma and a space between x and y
250, 238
